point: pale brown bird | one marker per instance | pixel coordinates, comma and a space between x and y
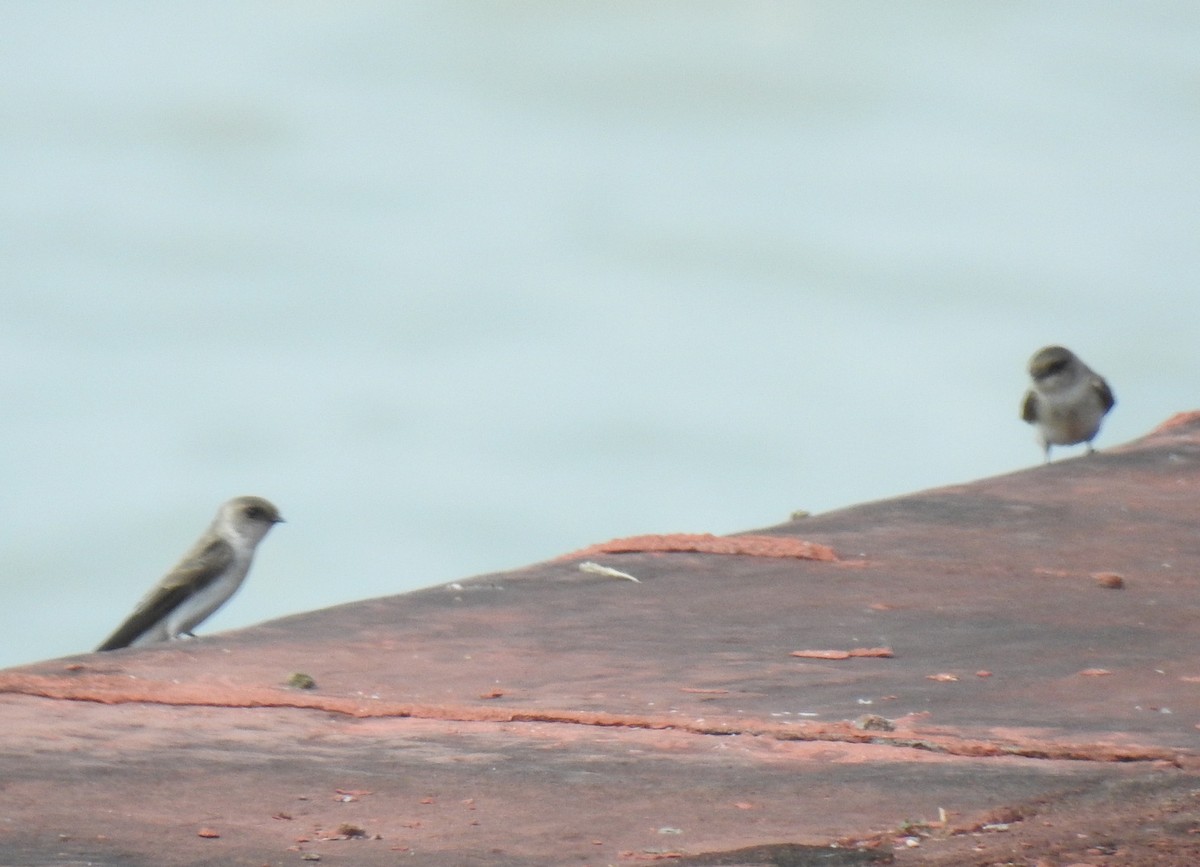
209, 573
1066, 401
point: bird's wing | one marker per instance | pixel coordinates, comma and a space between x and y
1102, 390
1029, 407
199, 568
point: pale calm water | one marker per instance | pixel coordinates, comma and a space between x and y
465, 286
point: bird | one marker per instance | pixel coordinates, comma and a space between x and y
200, 583
1066, 401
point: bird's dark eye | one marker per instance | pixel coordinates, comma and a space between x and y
1056, 366
255, 513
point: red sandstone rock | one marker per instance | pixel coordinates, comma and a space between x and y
549, 716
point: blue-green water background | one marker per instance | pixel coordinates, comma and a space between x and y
463, 286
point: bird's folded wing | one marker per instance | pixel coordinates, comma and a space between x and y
1029, 407
1104, 392
199, 568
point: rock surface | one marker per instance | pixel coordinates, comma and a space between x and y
1001, 672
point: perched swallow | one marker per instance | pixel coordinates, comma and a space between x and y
209, 573
1067, 400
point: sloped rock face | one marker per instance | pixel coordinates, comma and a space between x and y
969, 675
